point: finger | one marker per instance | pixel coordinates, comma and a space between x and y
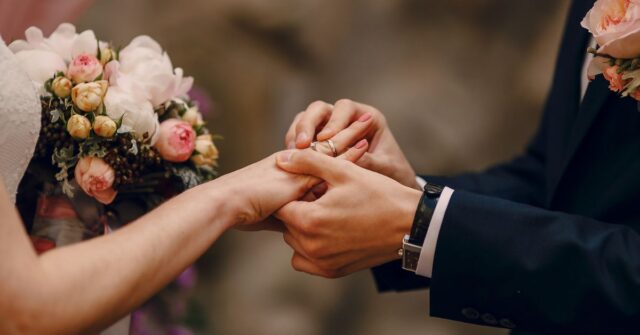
344, 113
302, 264
309, 162
348, 137
293, 214
315, 115
292, 242
290, 137
356, 152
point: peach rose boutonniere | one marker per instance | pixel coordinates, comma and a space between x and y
615, 26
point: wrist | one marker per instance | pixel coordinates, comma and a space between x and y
219, 210
407, 205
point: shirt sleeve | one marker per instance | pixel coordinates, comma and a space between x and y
425, 262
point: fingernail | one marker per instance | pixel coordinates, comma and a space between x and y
291, 145
324, 131
285, 156
365, 117
302, 138
361, 144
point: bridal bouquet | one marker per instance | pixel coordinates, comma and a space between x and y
114, 122
615, 26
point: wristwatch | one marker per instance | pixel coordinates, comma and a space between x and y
412, 243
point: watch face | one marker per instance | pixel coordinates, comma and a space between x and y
433, 190
410, 260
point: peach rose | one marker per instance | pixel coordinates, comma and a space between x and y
177, 140
616, 82
84, 68
615, 25
96, 177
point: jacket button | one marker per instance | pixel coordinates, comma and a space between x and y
470, 313
507, 323
489, 319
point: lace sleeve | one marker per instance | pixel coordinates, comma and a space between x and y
19, 120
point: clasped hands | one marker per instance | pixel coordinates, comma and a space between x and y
355, 210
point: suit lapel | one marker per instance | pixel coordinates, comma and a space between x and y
594, 99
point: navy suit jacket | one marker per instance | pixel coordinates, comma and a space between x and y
548, 242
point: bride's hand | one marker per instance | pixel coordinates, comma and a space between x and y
255, 192
335, 121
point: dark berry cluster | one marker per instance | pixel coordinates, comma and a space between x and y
130, 165
52, 134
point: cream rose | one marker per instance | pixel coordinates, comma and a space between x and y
104, 126
79, 126
96, 178
206, 151
61, 87
88, 96
192, 116
615, 25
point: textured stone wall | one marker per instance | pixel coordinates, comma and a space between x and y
462, 83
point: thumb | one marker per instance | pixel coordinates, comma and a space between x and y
312, 163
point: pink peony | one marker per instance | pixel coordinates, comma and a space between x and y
615, 25
616, 83
96, 177
177, 140
84, 68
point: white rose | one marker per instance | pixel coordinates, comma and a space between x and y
136, 112
42, 57
145, 67
40, 65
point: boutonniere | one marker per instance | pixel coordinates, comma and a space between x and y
615, 26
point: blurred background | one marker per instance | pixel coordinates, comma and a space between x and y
461, 82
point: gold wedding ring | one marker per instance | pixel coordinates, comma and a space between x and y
326, 147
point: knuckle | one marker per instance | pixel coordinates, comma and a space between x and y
346, 103
314, 250
317, 104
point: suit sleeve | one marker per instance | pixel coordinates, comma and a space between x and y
539, 270
521, 180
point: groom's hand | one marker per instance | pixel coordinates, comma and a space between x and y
335, 121
357, 224
262, 188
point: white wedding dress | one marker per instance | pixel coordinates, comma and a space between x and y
20, 121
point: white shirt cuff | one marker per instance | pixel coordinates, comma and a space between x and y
425, 262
